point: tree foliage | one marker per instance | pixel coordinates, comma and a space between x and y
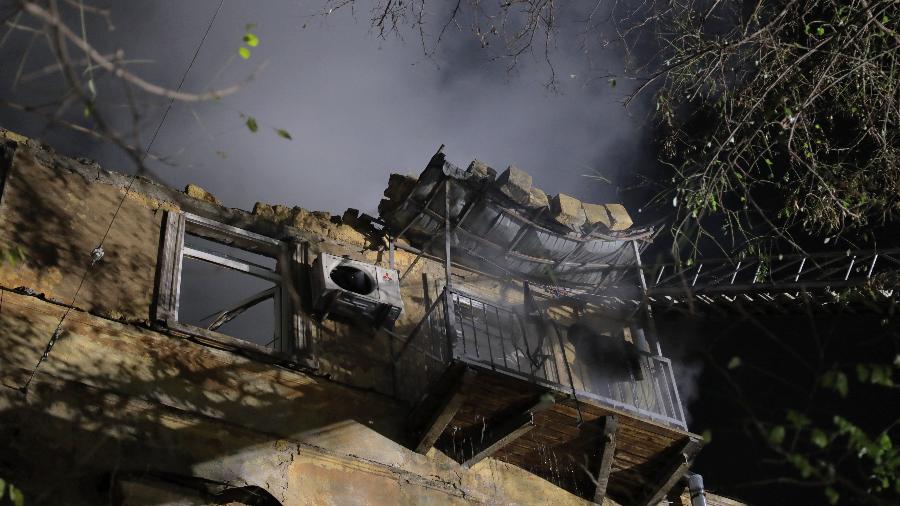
779, 118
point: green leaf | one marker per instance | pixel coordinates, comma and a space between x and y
862, 373
16, 496
797, 419
244, 52
801, 463
92, 87
251, 124
2, 487
707, 436
837, 381
840, 384
284, 134
820, 31
832, 495
251, 39
734, 363
776, 435
768, 162
881, 375
819, 438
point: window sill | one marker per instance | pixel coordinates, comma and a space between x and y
250, 350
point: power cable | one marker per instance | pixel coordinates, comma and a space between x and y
97, 253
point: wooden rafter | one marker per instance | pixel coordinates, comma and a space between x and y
673, 470
438, 408
607, 451
503, 432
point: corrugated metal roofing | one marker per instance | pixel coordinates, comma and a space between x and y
493, 233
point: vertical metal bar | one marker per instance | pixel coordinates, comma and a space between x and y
487, 331
568, 370
509, 317
678, 407
449, 311
659, 276
653, 369
458, 318
474, 326
667, 388
872, 266
391, 253
426, 300
736, 269
502, 338
850, 268
697, 274
800, 270
527, 347
648, 312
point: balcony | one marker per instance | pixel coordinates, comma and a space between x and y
491, 381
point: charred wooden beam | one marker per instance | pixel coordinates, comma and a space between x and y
439, 407
503, 432
607, 451
672, 471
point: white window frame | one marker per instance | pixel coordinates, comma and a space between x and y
292, 342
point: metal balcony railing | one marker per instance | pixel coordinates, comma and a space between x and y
488, 335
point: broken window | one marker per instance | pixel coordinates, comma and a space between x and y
228, 285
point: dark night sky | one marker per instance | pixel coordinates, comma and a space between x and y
358, 107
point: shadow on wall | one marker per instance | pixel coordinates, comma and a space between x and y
58, 218
114, 399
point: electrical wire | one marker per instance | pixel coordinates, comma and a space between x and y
97, 253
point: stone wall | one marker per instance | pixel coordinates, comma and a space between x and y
124, 411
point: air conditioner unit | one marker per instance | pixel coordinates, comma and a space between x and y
356, 290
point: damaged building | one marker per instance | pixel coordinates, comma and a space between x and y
160, 348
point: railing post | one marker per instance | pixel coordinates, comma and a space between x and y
449, 313
645, 299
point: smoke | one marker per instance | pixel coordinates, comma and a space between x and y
357, 107
680, 344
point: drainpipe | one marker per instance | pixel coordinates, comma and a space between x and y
695, 486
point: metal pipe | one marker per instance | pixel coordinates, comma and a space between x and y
695, 486
449, 312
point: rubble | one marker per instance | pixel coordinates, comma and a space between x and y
620, 218
597, 214
567, 211
537, 199
199, 193
481, 170
515, 183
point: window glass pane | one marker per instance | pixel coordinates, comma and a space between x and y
208, 289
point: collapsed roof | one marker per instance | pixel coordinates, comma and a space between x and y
506, 226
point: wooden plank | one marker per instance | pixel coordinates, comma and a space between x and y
447, 401
501, 437
168, 275
606, 458
673, 470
